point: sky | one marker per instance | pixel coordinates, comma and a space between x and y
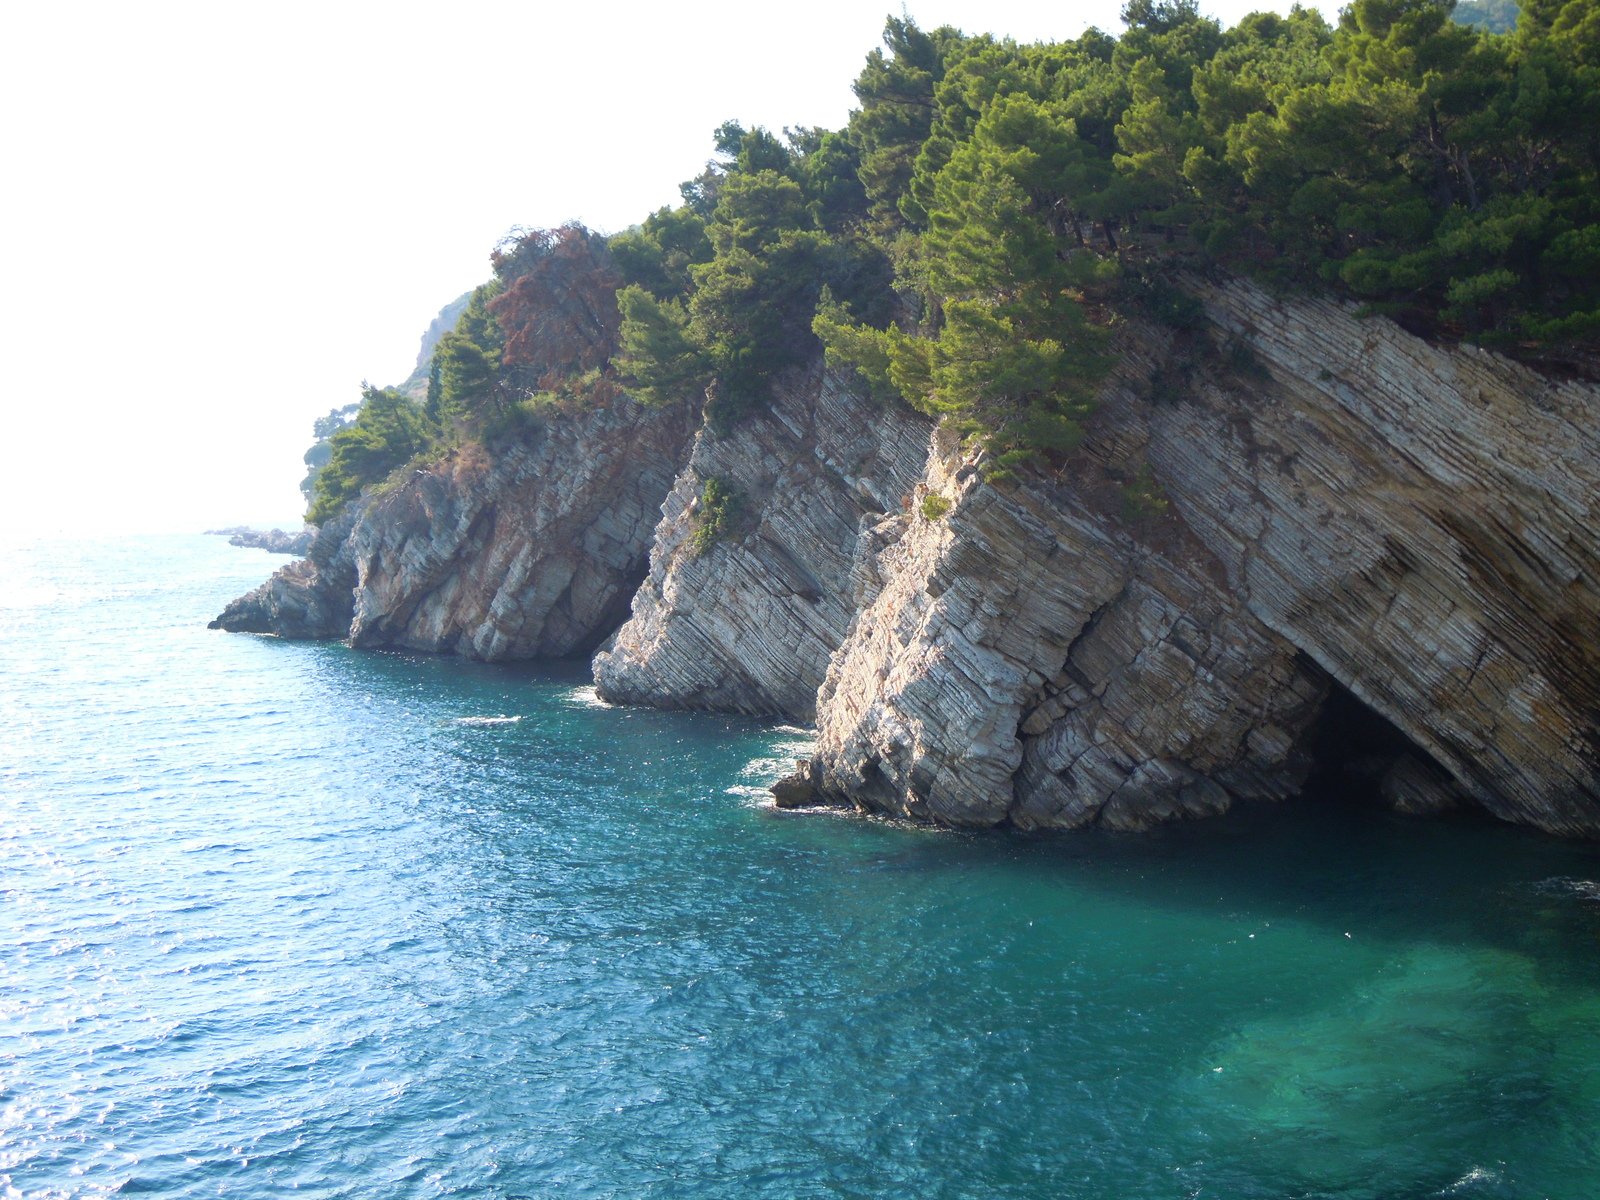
219, 219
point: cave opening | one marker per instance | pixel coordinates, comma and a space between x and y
617, 611
1361, 759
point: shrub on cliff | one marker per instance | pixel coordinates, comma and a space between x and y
719, 509
387, 433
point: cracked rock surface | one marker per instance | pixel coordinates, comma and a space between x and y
747, 621
1344, 502
1421, 521
533, 551
1289, 512
1030, 660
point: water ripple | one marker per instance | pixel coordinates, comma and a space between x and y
288, 918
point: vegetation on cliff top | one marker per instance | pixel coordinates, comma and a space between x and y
965, 242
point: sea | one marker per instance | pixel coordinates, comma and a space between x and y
292, 919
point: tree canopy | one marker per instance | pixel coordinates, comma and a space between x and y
966, 240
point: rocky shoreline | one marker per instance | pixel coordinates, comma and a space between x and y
1293, 541
274, 541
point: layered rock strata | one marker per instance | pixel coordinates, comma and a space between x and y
1032, 657
310, 598
532, 551
1421, 521
1345, 502
1290, 517
743, 617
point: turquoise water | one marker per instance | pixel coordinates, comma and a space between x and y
283, 918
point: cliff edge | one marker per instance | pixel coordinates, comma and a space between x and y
1291, 541
1335, 508
532, 548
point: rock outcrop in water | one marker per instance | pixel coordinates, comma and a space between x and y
1029, 660
273, 541
532, 551
746, 621
1290, 518
1347, 505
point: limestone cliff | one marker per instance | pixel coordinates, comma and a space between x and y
746, 620
1034, 657
1286, 524
1347, 506
1420, 521
533, 549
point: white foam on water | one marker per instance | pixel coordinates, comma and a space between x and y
772, 768
483, 722
1472, 1179
1567, 885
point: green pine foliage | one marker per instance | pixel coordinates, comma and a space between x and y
721, 505
657, 357
1024, 194
967, 241
466, 362
388, 432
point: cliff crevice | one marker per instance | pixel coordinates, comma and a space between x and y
746, 618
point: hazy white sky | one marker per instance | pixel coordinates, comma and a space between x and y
219, 218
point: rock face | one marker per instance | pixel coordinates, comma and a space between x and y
1032, 657
1345, 503
746, 621
310, 598
1420, 521
1276, 529
532, 551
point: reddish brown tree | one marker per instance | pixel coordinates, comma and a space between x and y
557, 307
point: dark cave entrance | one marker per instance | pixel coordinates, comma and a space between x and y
1361, 759
617, 612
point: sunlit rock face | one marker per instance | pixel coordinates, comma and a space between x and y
1343, 502
308, 599
744, 616
1420, 521
1036, 656
1277, 519
529, 549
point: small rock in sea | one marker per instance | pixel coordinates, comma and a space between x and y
797, 790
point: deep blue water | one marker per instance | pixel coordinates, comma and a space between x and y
282, 918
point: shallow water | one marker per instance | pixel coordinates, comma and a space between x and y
282, 917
